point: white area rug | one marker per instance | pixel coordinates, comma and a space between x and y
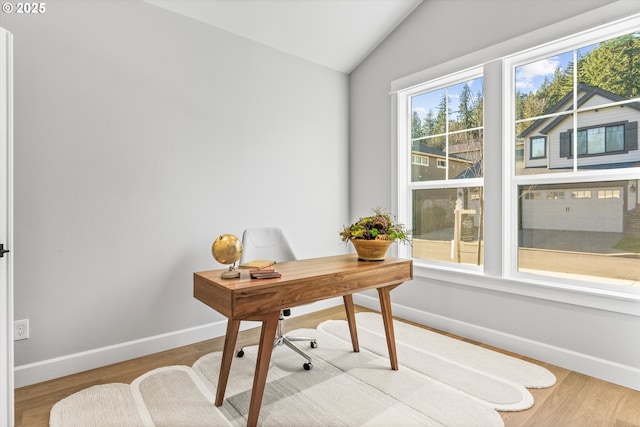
441, 382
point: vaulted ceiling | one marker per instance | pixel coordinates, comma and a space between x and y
338, 34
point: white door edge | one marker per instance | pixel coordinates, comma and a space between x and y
6, 229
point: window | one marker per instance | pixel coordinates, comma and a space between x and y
538, 148
608, 194
420, 160
581, 194
446, 122
566, 219
584, 88
600, 140
555, 195
532, 195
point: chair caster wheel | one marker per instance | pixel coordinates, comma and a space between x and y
240, 353
314, 344
307, 366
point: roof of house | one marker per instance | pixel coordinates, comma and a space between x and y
425, 149
588, 93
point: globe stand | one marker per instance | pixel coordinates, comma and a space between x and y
232, 273
227, 249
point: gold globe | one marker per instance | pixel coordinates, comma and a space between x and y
226, 249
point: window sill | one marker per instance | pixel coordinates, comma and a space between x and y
626, 301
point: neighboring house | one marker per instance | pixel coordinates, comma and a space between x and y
607, 139
429, 164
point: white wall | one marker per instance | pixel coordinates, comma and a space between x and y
140, 136
585, 338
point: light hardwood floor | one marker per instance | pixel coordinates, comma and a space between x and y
575, 400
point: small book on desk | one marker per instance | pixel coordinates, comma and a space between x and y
264, 274
259, 264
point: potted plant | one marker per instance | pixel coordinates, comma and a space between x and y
371, 236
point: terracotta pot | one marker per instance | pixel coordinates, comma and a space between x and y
371, 250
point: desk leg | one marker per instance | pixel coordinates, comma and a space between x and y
351, 319
267, 335
387, 318
227, 356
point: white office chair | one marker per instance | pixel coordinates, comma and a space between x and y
269, 243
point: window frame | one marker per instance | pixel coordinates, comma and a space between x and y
500, 272
606, 152
404, 151
544, 143
513, 181
420, 163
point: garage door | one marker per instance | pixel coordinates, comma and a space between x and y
590, 209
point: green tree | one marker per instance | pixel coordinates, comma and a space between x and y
416, 126
428, 124
466, 108
440, 123
611, 66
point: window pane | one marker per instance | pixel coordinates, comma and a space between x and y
538, 147
465, 105
542, 153
465, 155
441, 234
582, 142
611, 65
614, 138
446, 128
429, 150
587, 229
541, 85
595, 140
429, 113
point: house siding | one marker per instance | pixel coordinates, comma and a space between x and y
591, 118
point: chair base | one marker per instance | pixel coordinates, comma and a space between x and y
282, 339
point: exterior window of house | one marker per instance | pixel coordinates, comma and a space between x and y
419, 160
555, 195
581, 194
598, 140
538, 147
608, 194
589, 87
445, 119
532, 195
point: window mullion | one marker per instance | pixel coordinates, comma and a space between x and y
575, 109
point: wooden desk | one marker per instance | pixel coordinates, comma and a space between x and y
302, 282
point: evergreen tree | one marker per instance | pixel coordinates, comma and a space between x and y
416, 126
440, 124
428, 124
611, 66
466, 108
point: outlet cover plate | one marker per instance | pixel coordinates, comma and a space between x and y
21, 329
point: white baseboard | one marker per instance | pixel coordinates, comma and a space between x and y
627, 376
33, 373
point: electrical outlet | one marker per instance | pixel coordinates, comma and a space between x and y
21, 329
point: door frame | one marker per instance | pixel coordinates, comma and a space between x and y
6, 228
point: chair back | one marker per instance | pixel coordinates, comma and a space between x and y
267, 243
